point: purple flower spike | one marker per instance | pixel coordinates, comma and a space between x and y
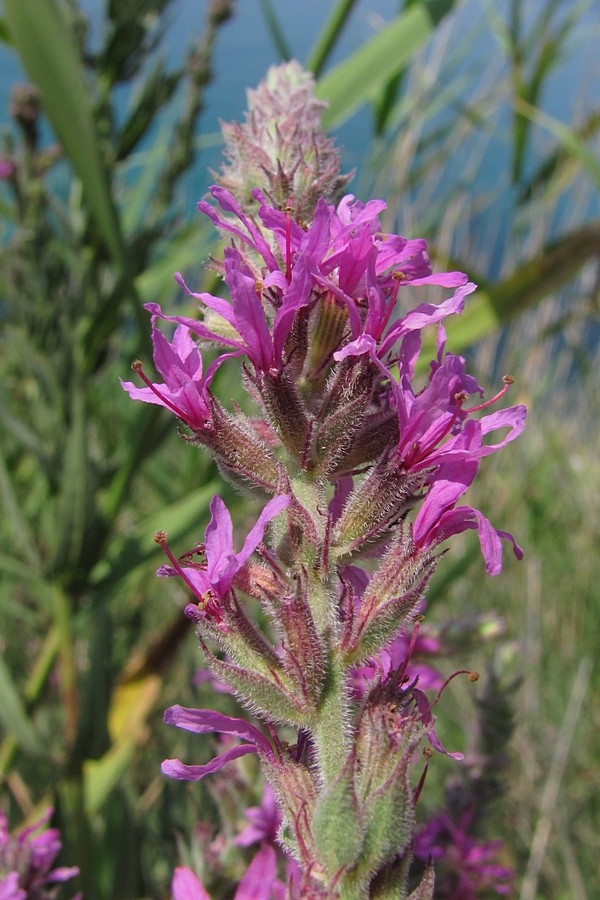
206, 721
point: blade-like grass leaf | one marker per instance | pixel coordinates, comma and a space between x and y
47, 51
491, 307
13, 714
364, 75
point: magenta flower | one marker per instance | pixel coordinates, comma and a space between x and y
26, 861
187, 886
471, 868
457, 463
342, 254
264, 821
391, 659
185, 390
206, 721
8, 168
259, 882
212, 578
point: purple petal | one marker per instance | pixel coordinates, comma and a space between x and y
424, 315
259, 877
9, 888
186, 886
249, 313
205, 721
63, 873
217, 304
465, 517
218, 540
514, 418
195, 327
443, 279
256, 534
174, 768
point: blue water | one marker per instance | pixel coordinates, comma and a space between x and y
244, 50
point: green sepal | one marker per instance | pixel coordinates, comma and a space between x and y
337, 823
391, 882
389, 819
385, 624
424, 891
296, 791
263, 696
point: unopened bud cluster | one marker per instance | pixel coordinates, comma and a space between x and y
361, 473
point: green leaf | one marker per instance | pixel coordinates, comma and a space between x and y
129, 556
131, 705
275, 30
567, 136
47, 50
329, 35
365, 74
13, 715
490, 307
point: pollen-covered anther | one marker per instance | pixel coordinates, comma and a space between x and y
461, 397
398, 275
208, 598
508, 379
160, 537
136, 365
473, 676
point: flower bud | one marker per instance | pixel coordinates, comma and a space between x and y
281, 147
378, 501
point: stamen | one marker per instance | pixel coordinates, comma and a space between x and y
198, 550
413, 640
289, 211
427, 753
397, 278
161, 538
508, 380
473, 676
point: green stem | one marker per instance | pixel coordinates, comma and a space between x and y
329, 35
331, 732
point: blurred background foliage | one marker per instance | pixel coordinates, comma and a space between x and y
95, 156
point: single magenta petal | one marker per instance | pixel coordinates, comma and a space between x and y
187, 886
218, 539
256, 534
174, 768
259, 877
204, 721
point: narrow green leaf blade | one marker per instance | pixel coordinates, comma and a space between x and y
364, 75
490, 307
13, 715
47, 51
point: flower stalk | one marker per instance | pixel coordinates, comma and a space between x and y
360, 470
